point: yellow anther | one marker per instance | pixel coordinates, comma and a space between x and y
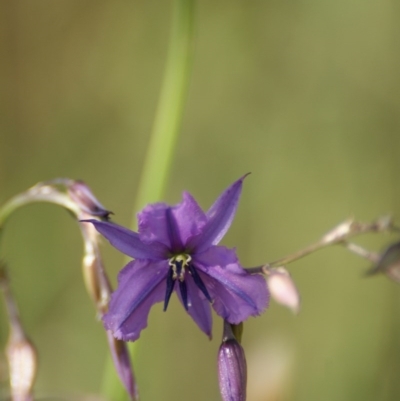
178, 263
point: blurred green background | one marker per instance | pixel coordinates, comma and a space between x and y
304, 94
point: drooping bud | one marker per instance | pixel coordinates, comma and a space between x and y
96, 280
81, 194
389, 263
21, 354
282, 288
122, 363
232, 368
99, 288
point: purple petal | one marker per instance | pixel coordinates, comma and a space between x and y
173, 230
140, 285
189, 217
153, 224
198, 306
236, 293
171, 225
128, 242
220, 217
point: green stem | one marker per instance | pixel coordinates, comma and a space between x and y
169, 114
163, 140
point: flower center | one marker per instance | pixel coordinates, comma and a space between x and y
178, 264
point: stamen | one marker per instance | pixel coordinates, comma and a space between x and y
199, 282
178, 264
183, 289
174, 272
180, 270
170, 288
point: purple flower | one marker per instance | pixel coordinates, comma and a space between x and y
175, 250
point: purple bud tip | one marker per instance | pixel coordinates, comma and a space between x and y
81, 194
232, 371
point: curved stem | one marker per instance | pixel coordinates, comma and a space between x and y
38, 193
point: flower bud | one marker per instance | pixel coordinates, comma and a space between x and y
282, 288
232, 371
232, 368
81, 194
21, 354
122, 363
96, 280
389, 263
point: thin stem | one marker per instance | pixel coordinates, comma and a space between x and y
163, 139
362, 252
11, 308
299, 254
339, 235
169, 113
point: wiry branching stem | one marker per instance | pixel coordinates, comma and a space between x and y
339, 235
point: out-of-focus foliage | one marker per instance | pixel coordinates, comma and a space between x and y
304, 94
